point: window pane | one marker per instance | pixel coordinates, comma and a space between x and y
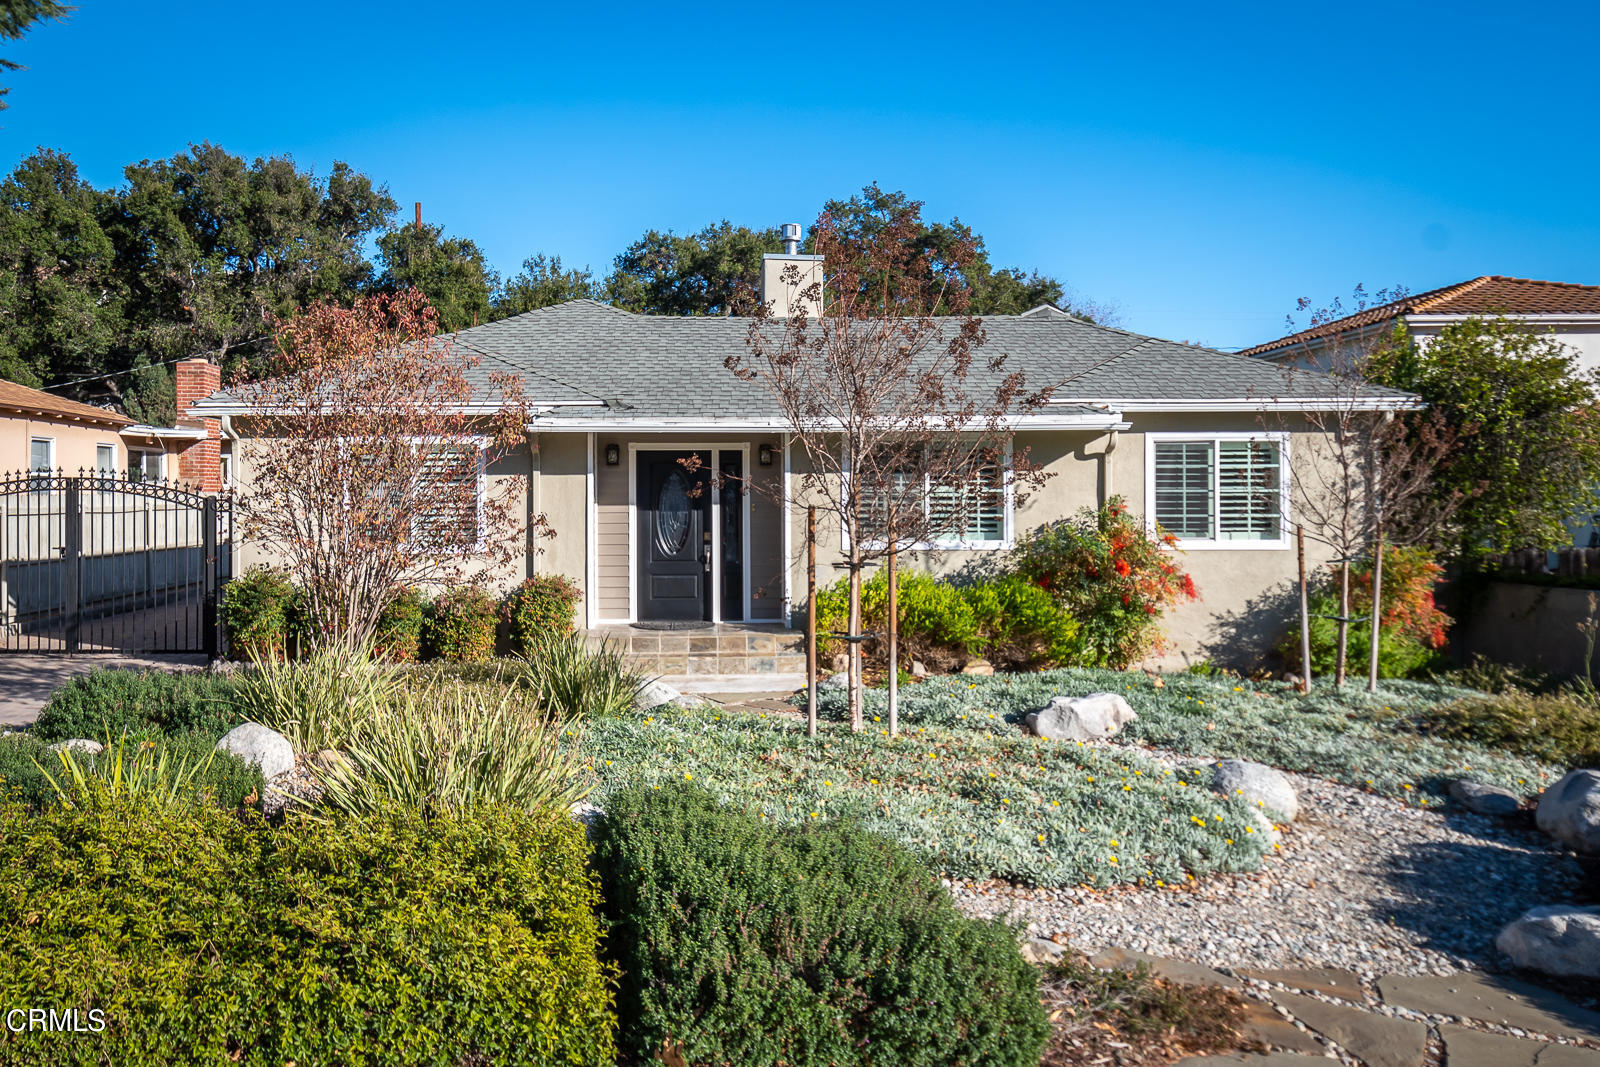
105, 459
1248, 483
973, 512
39, 457
1183, 488
448, 497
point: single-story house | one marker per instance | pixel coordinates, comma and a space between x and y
1202, 441
42, 432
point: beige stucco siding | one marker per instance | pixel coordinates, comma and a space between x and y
1244, 593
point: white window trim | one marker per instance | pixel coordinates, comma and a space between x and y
1008, 538
480, 446
1191, 544
112, 471
48, 468
161, 463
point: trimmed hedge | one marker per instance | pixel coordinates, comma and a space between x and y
393, 940
139, 703
541, 608
828, 944
399, 635
263, 614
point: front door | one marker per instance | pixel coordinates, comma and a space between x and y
674, 530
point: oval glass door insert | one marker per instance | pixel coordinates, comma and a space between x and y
672, 514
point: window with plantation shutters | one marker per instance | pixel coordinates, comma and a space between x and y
1219, 491
972, 514
449, 491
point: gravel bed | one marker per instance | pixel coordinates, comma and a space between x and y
1361, 882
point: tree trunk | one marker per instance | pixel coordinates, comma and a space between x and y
811, 621
1377, 613
894, 651
1344, 624
856, 717
1305, 612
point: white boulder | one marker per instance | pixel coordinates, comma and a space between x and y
1569, 811
654, 694
1560, 940
1258, 785
833, 682
266, 748
1087, 718
77, 745
1484, 799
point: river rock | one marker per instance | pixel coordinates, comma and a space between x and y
1484, 799
1569, 811
1087, 718
655, 693
1560, 939
979, 667
266, 748
77, 745
1258, 785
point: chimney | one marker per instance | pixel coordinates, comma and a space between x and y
786, 297
201, 462
419, 214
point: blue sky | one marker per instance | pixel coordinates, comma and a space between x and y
1198, 166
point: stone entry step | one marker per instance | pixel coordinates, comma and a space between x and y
724, 649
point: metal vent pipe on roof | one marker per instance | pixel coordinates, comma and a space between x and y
791, 238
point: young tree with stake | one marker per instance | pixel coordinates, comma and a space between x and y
905, 425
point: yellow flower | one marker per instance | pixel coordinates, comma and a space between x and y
1041, 839
1114, 843
972, 685
1229, 840
876, 719
688, 777
1406, 786
1159, 883
1113, 859
874, 781
608, 763
1127, 789
826, 781
1003, 800
1055, 803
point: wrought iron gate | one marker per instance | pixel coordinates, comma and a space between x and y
102, 563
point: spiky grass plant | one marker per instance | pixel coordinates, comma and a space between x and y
148, 770
320, 702
576, 682
450, 746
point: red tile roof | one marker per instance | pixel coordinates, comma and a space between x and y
20, 400
1492, 294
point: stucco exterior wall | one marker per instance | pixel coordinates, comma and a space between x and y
1247, 596
75, 443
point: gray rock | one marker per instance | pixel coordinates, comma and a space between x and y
76, 745
1569, 811
1560, 939
918, 669
655, 693
1258, 785
1041, 951
832, 682
1484, 799
266, 748
1087, 718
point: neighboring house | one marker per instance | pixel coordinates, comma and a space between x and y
620, 398
1564, 310
39, 431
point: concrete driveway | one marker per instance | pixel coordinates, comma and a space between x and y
28, 679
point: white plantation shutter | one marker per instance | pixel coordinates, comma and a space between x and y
973, 512
448, 488
1250, 504
1184, 484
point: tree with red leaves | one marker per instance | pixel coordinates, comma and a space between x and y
904, 422
368, 448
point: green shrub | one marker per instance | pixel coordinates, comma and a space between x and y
222, 779
140, 703
205, 938
1112, 574
1562, 727
1412, 638
263, 614
575, 682
399, 635
543, 607
1007, 620
740, 943
460, 628
319, 702
451, 747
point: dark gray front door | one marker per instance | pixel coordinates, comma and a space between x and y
674, 531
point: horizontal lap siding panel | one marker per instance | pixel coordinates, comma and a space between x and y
611, 536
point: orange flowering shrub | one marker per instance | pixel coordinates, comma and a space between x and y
1114, 575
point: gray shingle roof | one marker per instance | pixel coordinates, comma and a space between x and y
656, 366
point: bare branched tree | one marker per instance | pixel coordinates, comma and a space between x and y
905, 425
369, 445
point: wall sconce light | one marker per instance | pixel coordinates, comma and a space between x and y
764, 455
613, 454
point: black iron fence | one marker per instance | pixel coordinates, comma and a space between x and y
103, 563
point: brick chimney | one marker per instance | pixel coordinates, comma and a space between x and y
201, 462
